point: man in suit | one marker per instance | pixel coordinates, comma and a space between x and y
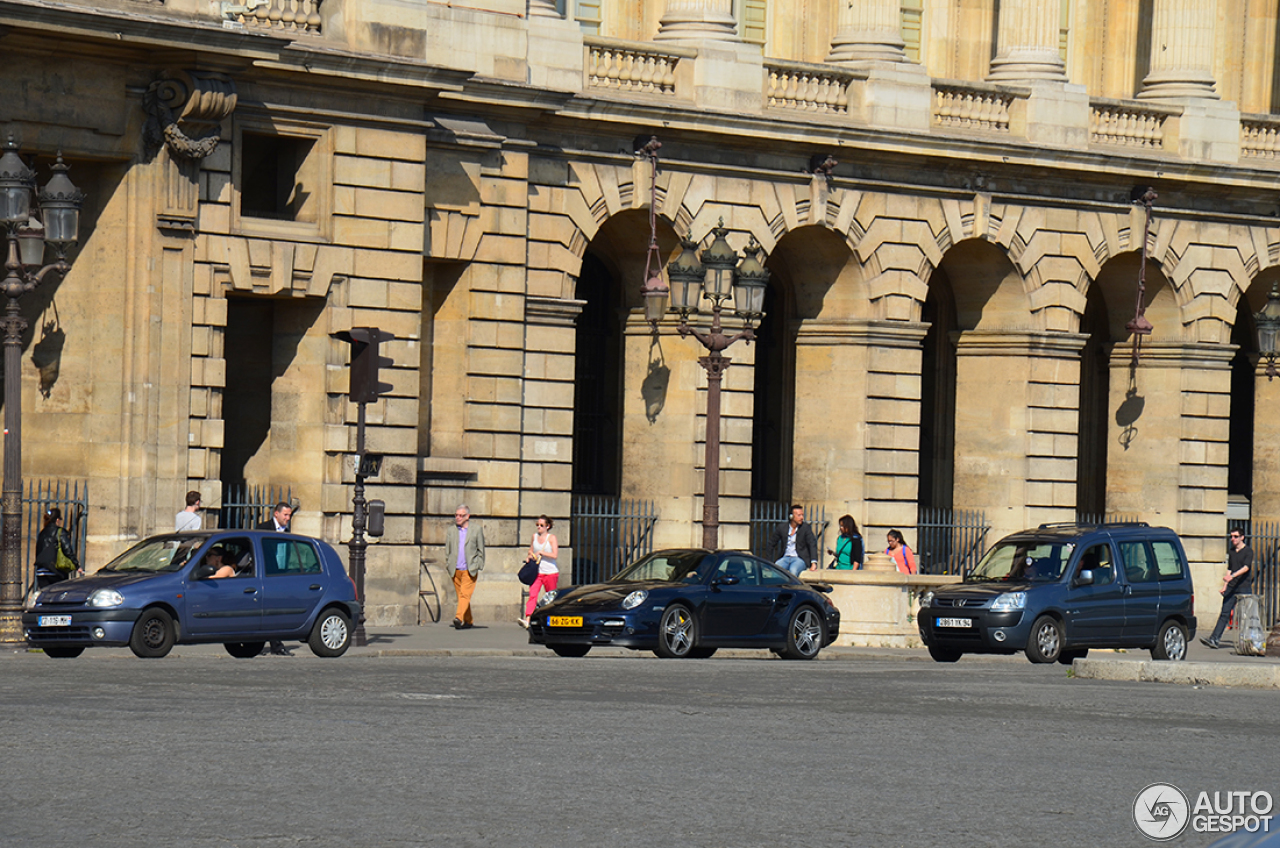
792, 545
464, 556
277, 523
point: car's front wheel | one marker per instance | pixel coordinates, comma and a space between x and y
1171, 643
1045, 642
570, 650
153, 634
244, 650
677, 632
944, 655
331, 634
63, 652
805, 635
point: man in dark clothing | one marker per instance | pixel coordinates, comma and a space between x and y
792, 545
1238, 580
277, 523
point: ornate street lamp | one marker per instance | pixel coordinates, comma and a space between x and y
1139, 326
715, 271
654, 291
28, 230
1268, 321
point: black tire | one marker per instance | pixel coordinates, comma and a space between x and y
1044, 644
153, 635
570, 650
806, 634
1171, 642
244, 650
1068, 657
677, 633
946, 655
702, 653
63, 652
331, 634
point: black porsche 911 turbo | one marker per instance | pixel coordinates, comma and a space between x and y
687, 603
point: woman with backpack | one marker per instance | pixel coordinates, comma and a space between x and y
849, 551
902, 556
55, 554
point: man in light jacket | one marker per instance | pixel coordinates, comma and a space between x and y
464, 556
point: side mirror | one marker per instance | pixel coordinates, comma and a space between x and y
727, 580
1084, 578
203, 571
824, 588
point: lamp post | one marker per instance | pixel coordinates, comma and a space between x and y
1268, 321
28, 230
718, 276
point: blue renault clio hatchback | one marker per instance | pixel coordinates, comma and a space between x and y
238, 587
1061, 589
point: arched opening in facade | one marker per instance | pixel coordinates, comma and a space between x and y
1095, 384
773, 424
597, 399
1244, 336
938, 395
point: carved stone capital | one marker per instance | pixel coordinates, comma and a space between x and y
186, 109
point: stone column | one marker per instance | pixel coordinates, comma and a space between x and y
1181, 51
543, 9
710, 20
868, 31
1028, 42
1017, 402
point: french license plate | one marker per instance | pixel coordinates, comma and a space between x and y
954, 622
54, 621
564, 621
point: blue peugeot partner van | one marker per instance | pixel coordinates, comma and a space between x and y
1058, 590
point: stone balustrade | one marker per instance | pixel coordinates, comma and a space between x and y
973, 106
289, 15
820, 89
1128, 124
634, 67
1259, 137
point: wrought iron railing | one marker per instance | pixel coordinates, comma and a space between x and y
1264, 538
950, 541
1095, 518
72, 497
768, 515
245, 505
608, 534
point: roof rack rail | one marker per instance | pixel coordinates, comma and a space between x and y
1056, 524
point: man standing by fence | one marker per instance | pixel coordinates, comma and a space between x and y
1238, 580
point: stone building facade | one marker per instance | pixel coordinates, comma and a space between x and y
946, 319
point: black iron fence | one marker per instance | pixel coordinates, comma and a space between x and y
245, 505
72, 497
767, 515
1264, 538
950, 541
608, 534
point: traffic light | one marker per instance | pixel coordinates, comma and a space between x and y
365, 362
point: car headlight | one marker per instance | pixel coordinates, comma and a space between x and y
105, 598
635, 599
547, 597
926, 600
29, 603
1009, 602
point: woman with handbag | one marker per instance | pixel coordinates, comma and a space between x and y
544, 548
55, 555
849, 551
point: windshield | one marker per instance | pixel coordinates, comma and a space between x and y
663, 565
1026, 561
168, 553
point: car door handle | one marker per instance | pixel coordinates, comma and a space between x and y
767, 600
315, 585
251, 590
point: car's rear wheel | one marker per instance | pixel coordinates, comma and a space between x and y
702, 653
153, 635
244, 650
63, 652
1171, 643
331, 634
677, 633
570, 650
1045, 642
1068, 657
805, 635
946, 655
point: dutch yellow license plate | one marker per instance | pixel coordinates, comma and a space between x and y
564, 621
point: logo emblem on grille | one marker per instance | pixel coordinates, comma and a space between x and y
959, 602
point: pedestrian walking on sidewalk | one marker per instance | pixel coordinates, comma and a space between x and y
848, 551
464, 552
901, 552
189, 519
1237, 581
544, 548
55, 553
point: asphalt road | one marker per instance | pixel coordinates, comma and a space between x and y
488, 751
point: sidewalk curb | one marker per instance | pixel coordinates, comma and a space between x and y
1240, 675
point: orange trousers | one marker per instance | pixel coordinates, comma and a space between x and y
464, 584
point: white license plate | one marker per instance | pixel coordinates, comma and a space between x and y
954, 622
54, 621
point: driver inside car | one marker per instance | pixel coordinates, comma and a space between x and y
215, 559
